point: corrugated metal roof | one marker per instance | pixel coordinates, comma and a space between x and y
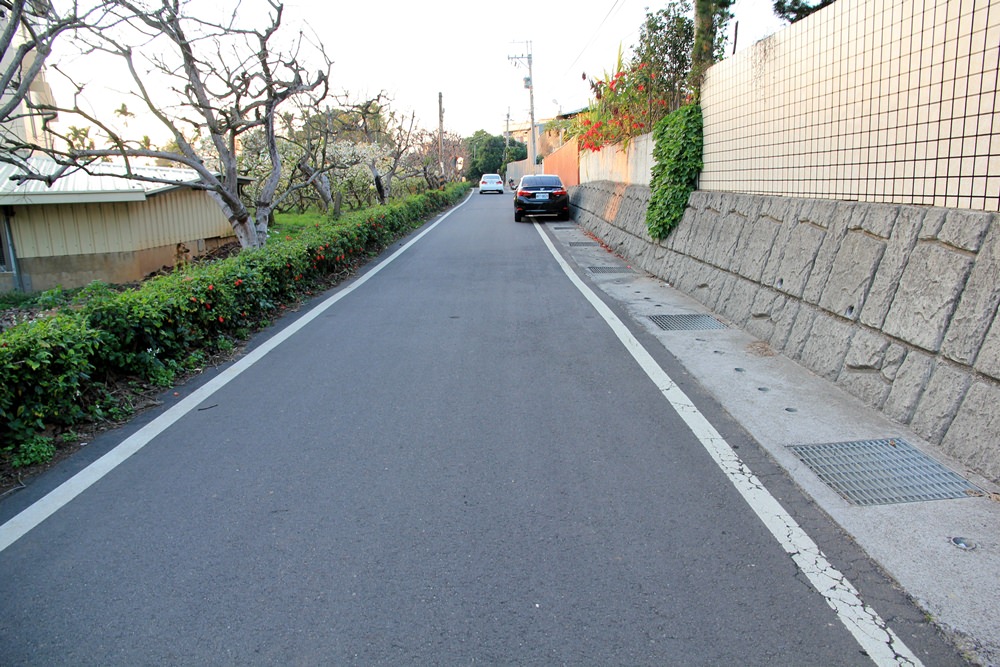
79, 187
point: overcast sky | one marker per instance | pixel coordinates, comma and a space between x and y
414, 50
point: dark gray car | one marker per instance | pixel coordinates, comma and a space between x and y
541, 194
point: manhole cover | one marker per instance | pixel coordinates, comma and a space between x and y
686, 322
882, 472
580, 244
609, 269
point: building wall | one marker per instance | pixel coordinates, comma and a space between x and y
866, 100
172, 217
565, 162
71, 245
847, 210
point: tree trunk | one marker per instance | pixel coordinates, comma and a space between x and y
378, 182
321, 184
265, 198
704, 39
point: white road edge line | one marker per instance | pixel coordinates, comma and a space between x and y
30, 517
863, 622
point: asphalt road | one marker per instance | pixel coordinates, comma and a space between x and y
457, 462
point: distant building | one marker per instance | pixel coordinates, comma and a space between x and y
22, 126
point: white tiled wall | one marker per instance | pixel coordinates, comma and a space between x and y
868, 100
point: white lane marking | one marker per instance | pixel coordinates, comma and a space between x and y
863, 622
29, 518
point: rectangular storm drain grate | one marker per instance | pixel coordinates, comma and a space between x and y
686, 322
564, 227
609, 269
580, 244
882, 472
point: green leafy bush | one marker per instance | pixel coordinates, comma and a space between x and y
45, 367
55, 372
677, 163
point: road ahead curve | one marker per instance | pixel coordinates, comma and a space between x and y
451, 460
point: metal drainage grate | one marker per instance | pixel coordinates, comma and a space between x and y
609, 269
881, 472
580, 244
686, 322
564, 228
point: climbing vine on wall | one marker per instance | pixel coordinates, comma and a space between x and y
677, 163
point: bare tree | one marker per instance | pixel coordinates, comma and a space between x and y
377, 124
198, 79
28, 31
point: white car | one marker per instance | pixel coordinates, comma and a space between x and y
491, 183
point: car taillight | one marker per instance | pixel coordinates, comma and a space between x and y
523, 193
559, 192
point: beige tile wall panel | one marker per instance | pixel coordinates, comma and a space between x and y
868, 100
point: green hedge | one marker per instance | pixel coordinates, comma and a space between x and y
55, 372
677, 163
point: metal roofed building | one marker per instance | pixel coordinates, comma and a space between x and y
87, 227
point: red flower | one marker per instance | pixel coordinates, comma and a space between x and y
221, 319
239, 281
211, 287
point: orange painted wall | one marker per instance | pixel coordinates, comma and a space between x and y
565, 162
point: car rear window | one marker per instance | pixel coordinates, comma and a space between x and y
542, 181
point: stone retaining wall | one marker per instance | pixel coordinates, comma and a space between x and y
896, 304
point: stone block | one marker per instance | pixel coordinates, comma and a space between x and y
866, 352
756, 247
879, 219
974, 436
798, 334
890, 269
679, 237
932, 223
928, 293
728, 233
765, 305
798, 258
965, 230
785, 314
894, 357
738, 303
988, 359
722, 288
825, 347
850, 278
975, 311
908, 386
818, 212
867, 385
699, 241
940, 401
844, 217
748, 206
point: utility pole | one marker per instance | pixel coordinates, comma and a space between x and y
441, 133
506, 138
530, 85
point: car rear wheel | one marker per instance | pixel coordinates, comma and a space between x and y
517, 216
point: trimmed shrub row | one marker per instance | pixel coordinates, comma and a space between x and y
56, 372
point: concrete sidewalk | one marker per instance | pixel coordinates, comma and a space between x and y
781, 404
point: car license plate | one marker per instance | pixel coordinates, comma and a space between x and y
541, 195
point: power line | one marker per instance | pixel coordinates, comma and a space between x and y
618, 4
